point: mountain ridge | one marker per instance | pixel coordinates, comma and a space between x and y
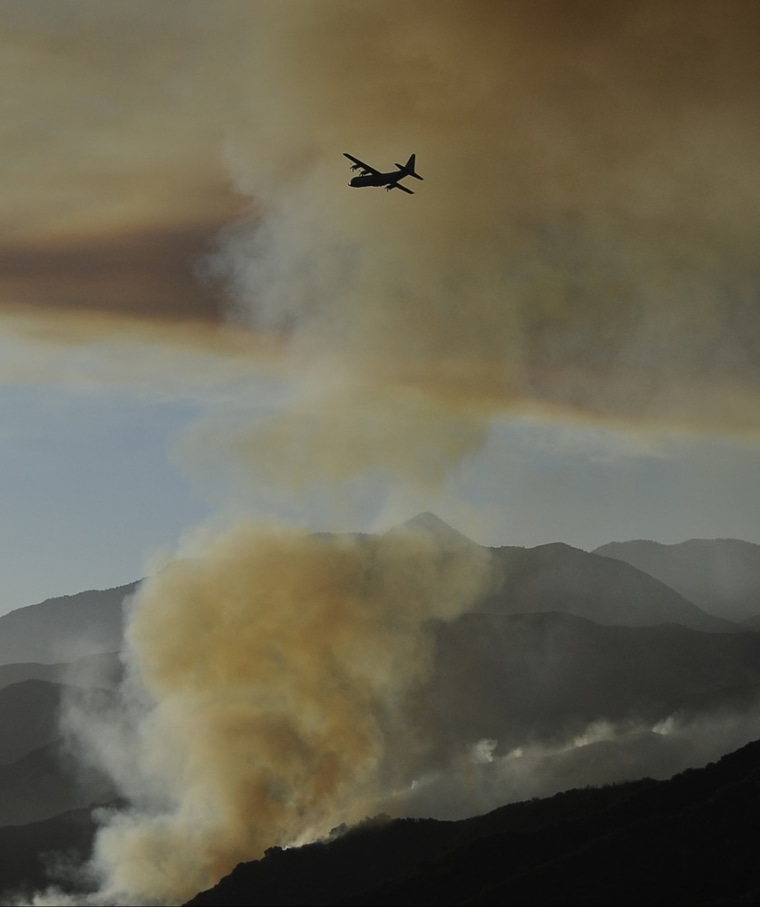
558, 577
646, 842
720, 575
65, 628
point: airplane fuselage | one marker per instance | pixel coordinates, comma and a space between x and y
377, 179
391, 179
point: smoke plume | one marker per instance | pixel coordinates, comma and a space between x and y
270, 678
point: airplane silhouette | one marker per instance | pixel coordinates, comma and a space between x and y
371, 177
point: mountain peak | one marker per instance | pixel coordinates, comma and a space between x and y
430, 524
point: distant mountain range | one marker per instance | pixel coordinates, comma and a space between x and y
558, 577
571, 669
722, 576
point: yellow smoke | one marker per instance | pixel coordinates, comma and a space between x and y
274, 670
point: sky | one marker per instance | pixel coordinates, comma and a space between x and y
557, 338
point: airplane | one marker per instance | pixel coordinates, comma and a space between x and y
371, 177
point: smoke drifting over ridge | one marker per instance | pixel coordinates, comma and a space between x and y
584, 240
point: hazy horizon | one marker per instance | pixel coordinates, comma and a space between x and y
140, 576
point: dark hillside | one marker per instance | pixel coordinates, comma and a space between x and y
46, 783
690, 840
29, 717
104, 669
34, 856
548, 676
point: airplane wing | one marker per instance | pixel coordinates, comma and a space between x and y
402, 188
365, 168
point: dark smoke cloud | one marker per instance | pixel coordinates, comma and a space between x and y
142, 276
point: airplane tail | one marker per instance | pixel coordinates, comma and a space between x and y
409, 167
